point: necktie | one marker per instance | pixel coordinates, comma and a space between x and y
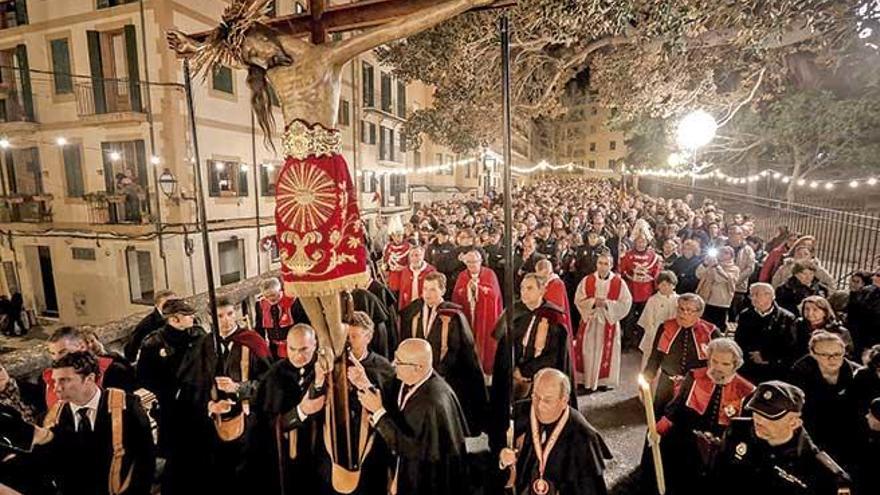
85, 424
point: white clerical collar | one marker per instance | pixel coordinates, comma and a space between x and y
418, 268
364, 356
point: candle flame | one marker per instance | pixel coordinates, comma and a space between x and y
643, 382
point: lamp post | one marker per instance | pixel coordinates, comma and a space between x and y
694, 131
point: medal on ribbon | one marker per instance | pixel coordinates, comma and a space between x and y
542, 451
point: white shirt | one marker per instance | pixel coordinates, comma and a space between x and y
91, 405
401, 399
414, 287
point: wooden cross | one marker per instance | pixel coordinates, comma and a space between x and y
322, 19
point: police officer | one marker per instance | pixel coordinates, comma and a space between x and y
772, 453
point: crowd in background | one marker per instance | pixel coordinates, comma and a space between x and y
597, 272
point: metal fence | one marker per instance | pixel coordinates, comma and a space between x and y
846, 241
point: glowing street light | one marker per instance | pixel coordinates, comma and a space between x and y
696, 130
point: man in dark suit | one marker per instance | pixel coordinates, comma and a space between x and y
152, 322
92, 429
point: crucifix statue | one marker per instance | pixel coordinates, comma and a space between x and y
319, 230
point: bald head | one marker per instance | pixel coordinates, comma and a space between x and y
416, 351
543, 268
550, 379
413, 360
550, 394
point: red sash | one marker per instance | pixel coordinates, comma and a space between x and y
285, 319
610, 328
52, 397
702, 333
732, 395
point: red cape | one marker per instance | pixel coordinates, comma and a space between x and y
485, 315
557, 294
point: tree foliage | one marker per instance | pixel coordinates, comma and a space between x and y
647, 58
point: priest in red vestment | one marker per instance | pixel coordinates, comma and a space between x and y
603, 300
556, 293
478, 292
412, 277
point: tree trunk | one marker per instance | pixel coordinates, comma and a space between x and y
795, 176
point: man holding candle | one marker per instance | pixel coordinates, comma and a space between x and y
708, 399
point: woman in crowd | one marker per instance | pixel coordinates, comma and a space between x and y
718, 275
817, 315
801, 284
830, 414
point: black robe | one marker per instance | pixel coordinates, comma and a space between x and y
576, 464
267, 446
81, 463
460, 367
197, 373
428, 437
554, 355
374, 472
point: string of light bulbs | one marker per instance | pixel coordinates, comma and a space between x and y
769, 174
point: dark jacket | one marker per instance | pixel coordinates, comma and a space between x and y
82, 464
830, 414
685, 269
146, 326
773, 336
863, 313
790, 294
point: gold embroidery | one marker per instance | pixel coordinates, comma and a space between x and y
300, 141
306, 197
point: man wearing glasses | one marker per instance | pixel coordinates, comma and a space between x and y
680, 345
830, 413
424, 427
444, 325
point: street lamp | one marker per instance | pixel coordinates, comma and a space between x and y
694, 131
168, 183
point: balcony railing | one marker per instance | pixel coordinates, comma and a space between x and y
111, 96
107, 208
35, 208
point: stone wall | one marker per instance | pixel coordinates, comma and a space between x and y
26, 363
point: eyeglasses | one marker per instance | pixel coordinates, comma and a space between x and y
397, 362
686, 310
825, 355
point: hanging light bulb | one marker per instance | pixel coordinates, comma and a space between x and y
777, 175
829, 186
801, 182
786, 180
61, 141
872, 181
814, 185
854, 184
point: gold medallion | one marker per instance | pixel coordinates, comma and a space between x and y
540, 486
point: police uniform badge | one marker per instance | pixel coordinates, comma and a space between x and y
767, 395
741, 449
730, 410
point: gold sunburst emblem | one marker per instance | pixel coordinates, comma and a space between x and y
306, 197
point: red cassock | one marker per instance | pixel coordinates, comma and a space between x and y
483, 315
318, 225
640, 269
406, 281
557, 294
394, 255
699, 396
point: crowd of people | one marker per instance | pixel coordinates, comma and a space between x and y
763, 376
